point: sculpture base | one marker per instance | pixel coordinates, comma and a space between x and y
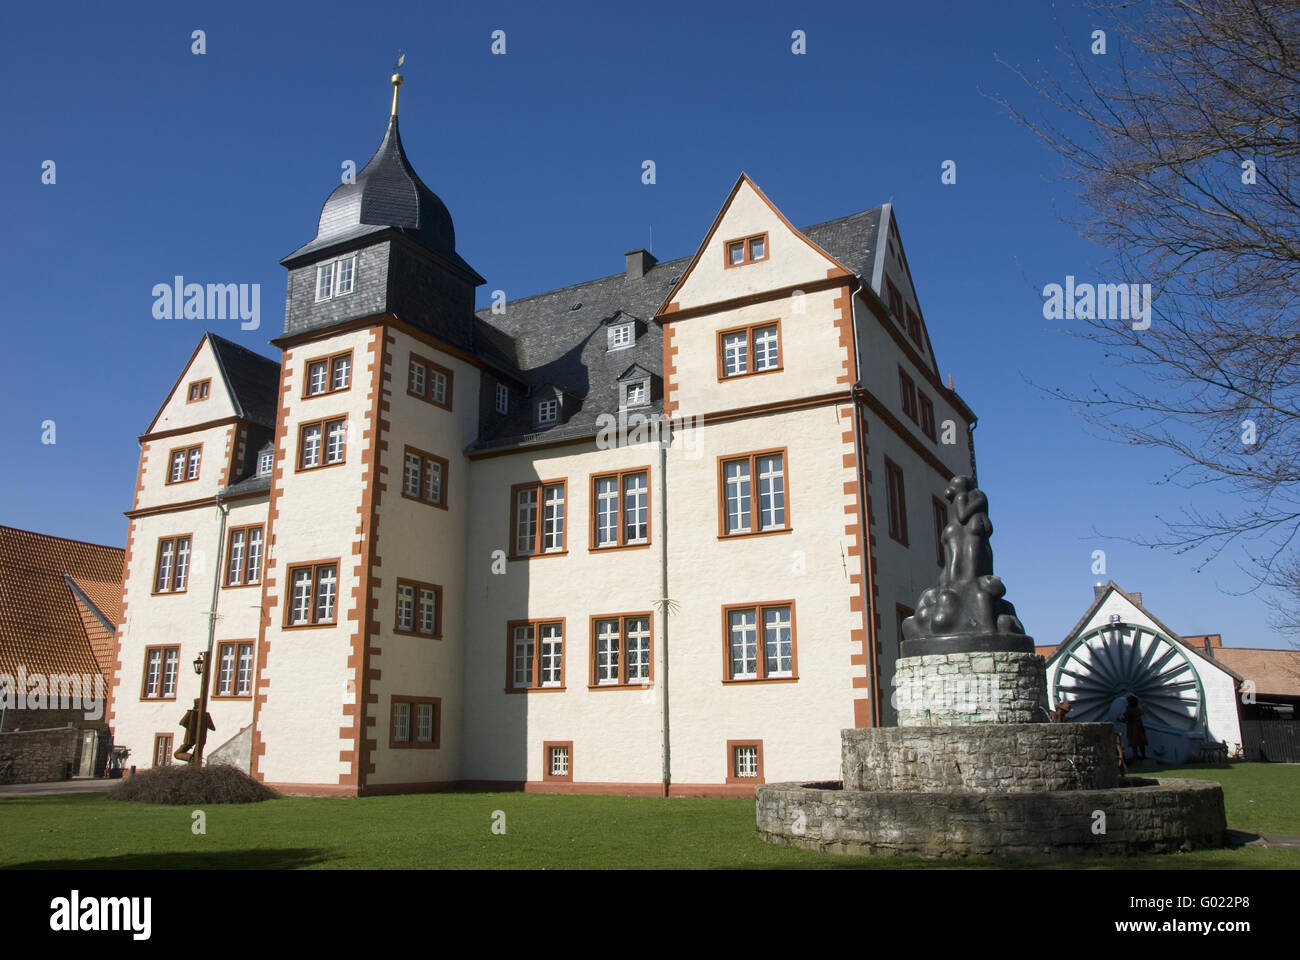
1141, 816
967, 643
959, 689
1006, 757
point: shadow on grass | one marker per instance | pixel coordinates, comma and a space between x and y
290, 858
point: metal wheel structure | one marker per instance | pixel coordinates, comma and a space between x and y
1122, 659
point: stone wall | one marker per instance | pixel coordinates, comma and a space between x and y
1157, 817
955, 689
42, 743
1020, 757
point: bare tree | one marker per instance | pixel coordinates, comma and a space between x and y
1184, 137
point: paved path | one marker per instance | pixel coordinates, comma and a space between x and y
10, 791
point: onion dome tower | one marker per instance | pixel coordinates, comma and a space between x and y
384, 244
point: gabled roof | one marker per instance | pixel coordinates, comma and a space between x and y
253, 380
53, 593
1273, 672
550, 341
1111, 585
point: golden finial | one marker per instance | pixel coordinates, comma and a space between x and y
397, 80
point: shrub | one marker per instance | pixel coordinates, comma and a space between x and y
187, 784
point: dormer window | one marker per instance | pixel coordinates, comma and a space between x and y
620, 336
746, 250
334, 279
548, 411
265, 461
503, 398
636, 393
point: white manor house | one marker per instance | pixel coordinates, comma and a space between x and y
430, 564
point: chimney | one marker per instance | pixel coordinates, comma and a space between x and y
1097, 590
639, 263
1136, 598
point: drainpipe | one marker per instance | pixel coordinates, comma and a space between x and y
212, 633
663, 590
864, 515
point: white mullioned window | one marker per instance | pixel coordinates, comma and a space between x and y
503, 398
548, 411
559, 761
552, 666
638, 649
313, 594
636, 515
336, 442
177, 473
310, 453
424, 722
771, 492
254, 569
182, 563
523, 655
335, 279
737, 495
171, 667
766, 355
326, 593
428, 611
620, 336
300, 605
405, 607
553, 518
636, 393
341, 374
235, 572
401, 722
192, 472
526, 521
744, 645
244, 676
265, 462
317, 377
747, 761
606, 511
735, 354
166, 563
608, 641
433, 481
778, 642
438, 387
412, 475
415, 379
226, 670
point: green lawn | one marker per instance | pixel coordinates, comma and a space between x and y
542, 831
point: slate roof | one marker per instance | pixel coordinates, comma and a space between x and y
46, 625
554, 343
386, 194
252, 378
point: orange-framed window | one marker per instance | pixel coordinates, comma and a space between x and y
161, 669
313, 594
419, 609
620, 509
415, 723
322, 443
429, 381
234, 669
537, 518
622, 650
183, 464
749, 350
760, 641
557, 760
745, 761
737, 253
752, 495
535, 655
328, 375
172, 566
244, 554
198, 390
424, 477
162, 749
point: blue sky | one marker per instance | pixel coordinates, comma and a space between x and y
215, 166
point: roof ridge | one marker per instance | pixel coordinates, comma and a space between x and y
54, 536
664, 263
239, 346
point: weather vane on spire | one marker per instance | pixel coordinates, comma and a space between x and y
397, 78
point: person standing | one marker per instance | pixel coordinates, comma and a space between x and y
1137, 732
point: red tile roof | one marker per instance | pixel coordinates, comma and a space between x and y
45, 626
1274, 672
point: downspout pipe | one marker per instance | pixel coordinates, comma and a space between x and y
212, 632
864, 518
664, 439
